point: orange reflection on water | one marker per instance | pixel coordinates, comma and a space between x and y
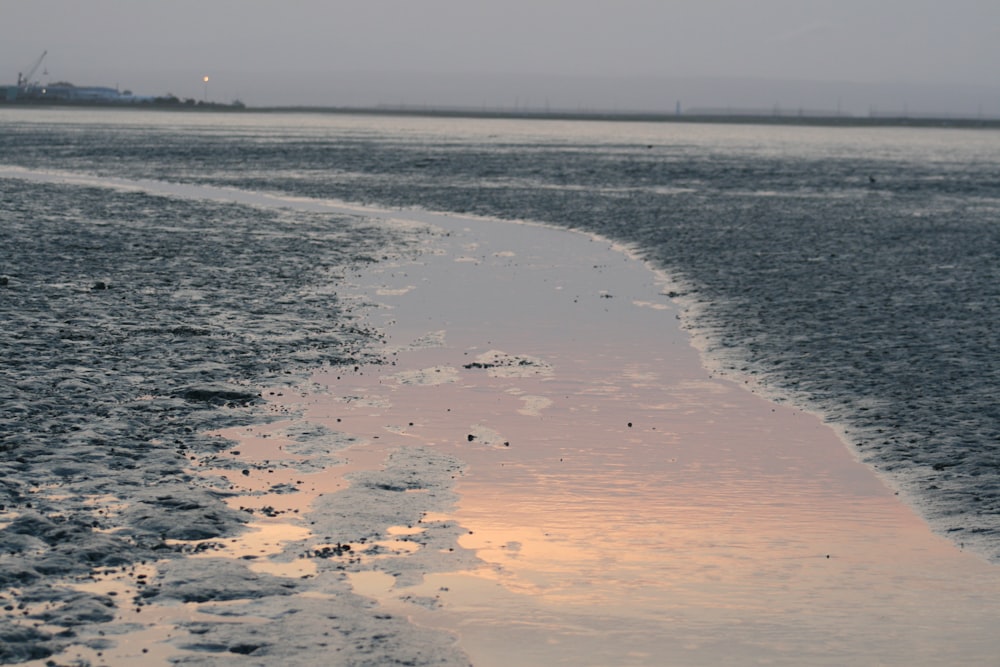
628, 508
677, 514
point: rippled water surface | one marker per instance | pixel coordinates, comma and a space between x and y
852, 270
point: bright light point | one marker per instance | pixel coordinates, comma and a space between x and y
205, 79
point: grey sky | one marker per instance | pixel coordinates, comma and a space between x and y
583, 52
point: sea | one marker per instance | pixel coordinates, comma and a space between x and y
853, 272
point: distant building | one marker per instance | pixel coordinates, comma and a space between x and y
66, 93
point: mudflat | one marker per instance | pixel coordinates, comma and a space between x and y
396, 436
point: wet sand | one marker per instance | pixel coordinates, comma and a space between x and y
546, 473
139, 323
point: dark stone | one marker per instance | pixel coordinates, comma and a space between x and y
244, 649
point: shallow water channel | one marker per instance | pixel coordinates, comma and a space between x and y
623, 505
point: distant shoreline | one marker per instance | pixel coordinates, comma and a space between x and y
652, 117
736, 118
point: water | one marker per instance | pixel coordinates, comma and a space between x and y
852, 271
848, 271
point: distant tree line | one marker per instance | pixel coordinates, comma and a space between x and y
171, 100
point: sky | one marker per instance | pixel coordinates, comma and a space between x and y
860, 55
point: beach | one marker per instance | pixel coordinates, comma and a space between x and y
251, 425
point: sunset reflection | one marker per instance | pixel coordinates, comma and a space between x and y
625, 504
679, 505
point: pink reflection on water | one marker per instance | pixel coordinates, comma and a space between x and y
626, 505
